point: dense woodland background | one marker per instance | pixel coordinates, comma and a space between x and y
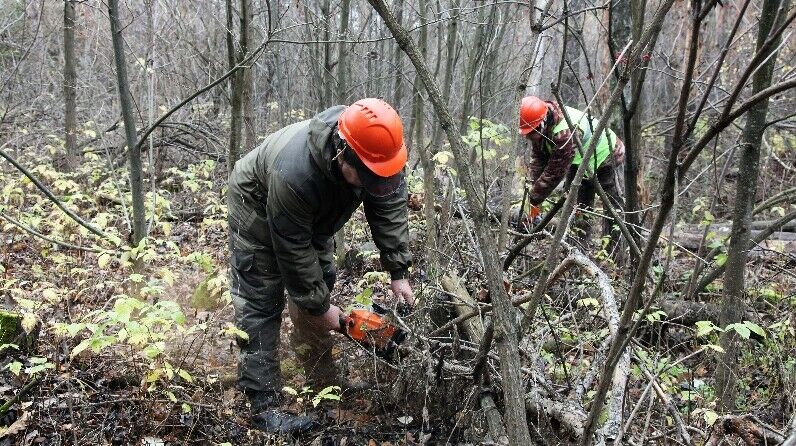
116, 324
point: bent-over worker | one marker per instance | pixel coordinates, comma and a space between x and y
287, 198
553, 156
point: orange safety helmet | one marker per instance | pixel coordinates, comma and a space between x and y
374, 130
532, 113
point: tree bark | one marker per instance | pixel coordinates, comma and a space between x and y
425, 156
342, 98
738, 249
342, 54
570, 91
236, 85
631, 129
326, 73
70, 85
398, 91
126, 103
506, 331
433, 242
476, 54
248, 118
475, 332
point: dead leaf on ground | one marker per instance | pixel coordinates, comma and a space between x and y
16, 427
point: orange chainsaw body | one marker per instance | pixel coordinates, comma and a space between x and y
370, 327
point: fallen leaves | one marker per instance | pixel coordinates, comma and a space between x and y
16, 427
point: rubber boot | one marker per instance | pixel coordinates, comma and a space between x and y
268, 417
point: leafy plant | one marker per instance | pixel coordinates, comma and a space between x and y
306, 394
484, 130
141, 325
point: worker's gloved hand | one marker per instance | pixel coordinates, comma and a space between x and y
403, 291
534, 215
619, 152
329, 320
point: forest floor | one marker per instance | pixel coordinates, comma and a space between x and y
106, 398
107, 369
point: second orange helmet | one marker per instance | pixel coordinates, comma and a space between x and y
532, 112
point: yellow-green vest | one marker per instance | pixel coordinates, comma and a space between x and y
587, 124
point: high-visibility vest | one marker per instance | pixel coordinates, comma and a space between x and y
587, 126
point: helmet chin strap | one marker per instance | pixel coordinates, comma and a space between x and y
547, 122
341, 146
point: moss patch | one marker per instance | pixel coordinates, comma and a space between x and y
9, 326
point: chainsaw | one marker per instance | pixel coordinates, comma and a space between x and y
371, 327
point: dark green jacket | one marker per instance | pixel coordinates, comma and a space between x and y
306, 200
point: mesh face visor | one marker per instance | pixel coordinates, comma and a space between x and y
373, 184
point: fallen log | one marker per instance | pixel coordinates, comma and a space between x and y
610, 311
777, 242
569, 415
748, 428
688, 313
724, 227
474, 328
775, 235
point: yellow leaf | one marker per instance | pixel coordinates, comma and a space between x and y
711, 417
103, 260
29, 322
50, 294
166, 227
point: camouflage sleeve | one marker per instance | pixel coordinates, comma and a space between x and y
539, 158
556, 168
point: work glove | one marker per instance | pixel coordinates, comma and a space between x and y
619, 152
530, 219
403, 291
534, 215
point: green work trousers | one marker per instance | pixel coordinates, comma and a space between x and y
258, 297
586, 194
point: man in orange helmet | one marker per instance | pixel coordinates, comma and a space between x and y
287, 198
554, 156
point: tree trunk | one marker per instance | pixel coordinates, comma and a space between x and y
631, 126
248, 118
506, 330
70, 85
326, 74
570, 89
342, 98
433, 242
398, 91
126, 103
749, 166
474, 328
476, 54
236, 95
425, 157
342, 54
